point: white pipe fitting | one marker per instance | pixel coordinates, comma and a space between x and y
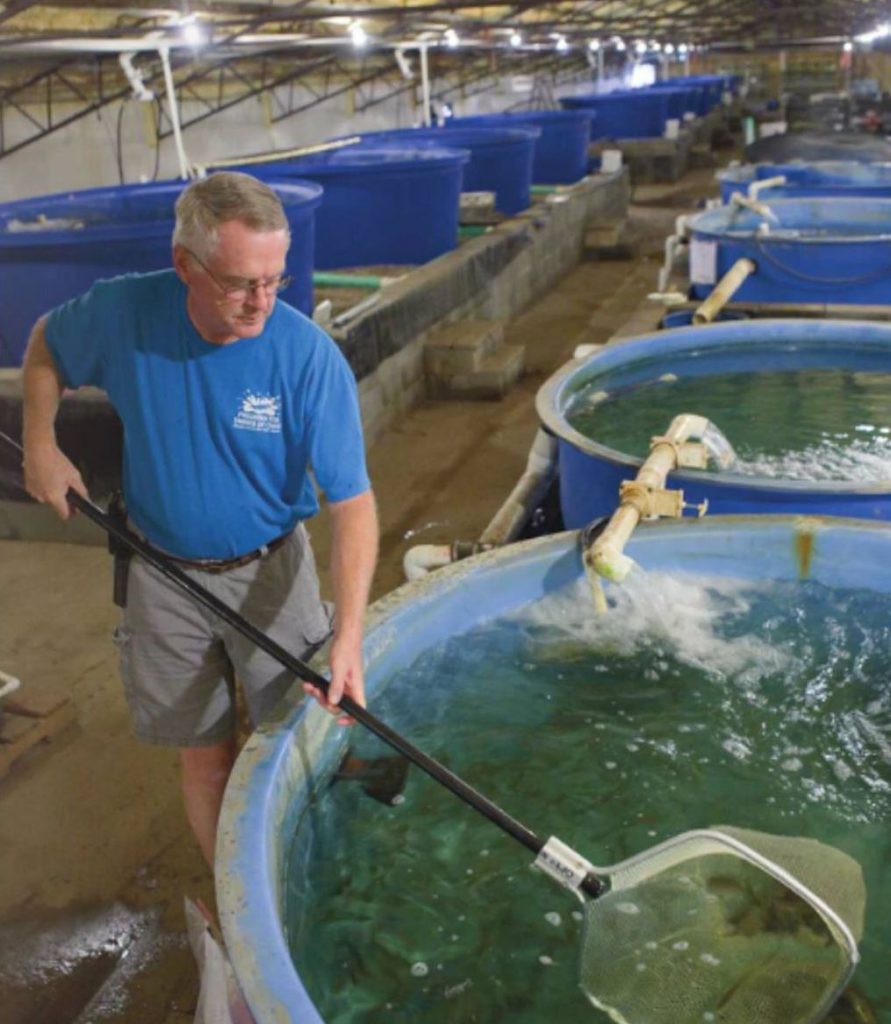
757, 186
423, 558
8, 684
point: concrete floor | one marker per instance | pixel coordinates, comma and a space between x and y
95, 854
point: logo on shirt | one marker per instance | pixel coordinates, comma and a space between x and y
259, 412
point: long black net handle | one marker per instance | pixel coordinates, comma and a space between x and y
592, 884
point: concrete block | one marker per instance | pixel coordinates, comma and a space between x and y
496, 375
462, 346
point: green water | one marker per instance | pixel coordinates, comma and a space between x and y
692, 703
812, 424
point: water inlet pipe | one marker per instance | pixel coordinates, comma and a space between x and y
274, 156
756, 186
756, 206
508, 521
646, 497
724, 290
335, 279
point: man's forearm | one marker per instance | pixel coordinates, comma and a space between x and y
42, 387
353, 559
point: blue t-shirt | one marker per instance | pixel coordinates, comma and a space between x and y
218, 439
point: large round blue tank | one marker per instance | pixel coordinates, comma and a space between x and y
54, 247
382, 204
561, 153
820, 178
624, 114
590, 473
285, 762
500, 158
816, 250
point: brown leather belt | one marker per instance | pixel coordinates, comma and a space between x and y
225, 564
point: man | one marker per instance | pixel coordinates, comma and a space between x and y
228, 399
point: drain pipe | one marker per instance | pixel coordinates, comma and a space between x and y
508, 521
646, 497
541, 467
724, 290
674, 245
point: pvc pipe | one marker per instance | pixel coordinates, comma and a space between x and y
724, 290
333, 279
762, 209
472, 230
283, 154
8, 684
173, 111
423, 558
606, 555
530, 489
425, 85
756, 186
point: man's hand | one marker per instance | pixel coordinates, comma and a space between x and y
49, 475
347, 677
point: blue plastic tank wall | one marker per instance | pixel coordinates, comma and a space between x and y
285, 762
561, 153
624, 114
821, 178
54, 247
590, 473
681, 99
500, 158
382, 204
819, 250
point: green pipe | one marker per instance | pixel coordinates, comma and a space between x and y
543, 190
333, 279
470, 230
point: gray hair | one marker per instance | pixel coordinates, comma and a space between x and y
218, 198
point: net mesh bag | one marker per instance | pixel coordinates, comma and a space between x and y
726, 926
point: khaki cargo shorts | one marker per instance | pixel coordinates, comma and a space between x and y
179, 662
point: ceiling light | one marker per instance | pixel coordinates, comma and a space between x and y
594, 44
516, 39
669, 48
620, 44
848, 46
562, 45
640, 46
358, 35
451, 38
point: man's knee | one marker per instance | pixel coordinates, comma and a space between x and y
207, 766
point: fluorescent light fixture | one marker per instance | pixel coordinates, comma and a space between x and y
594, 45
358, 35
516, 39
190, 31
451, 38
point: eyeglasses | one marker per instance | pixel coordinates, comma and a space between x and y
239, 290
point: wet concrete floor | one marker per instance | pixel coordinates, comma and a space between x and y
95, 853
